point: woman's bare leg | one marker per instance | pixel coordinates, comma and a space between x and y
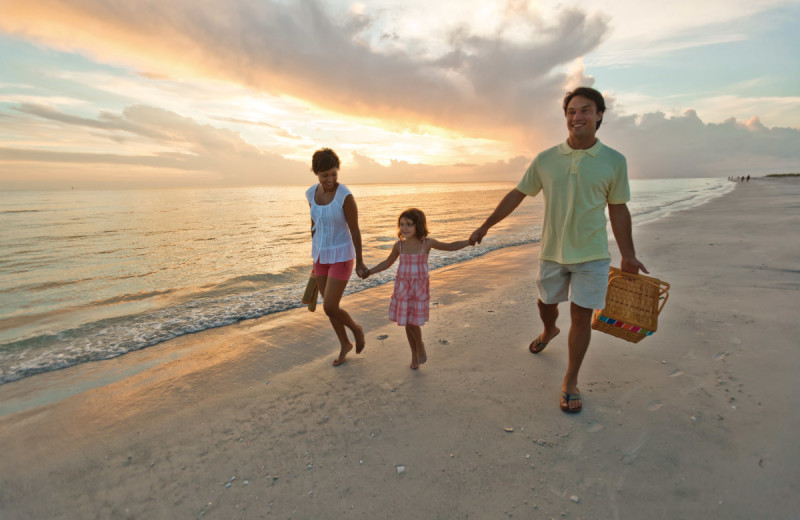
332, 290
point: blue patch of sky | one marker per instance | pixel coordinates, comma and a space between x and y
765, 63
36, 70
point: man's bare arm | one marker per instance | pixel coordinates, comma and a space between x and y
621, 226
509, 203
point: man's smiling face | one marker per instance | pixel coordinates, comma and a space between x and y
582, 119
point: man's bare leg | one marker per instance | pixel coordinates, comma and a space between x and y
580, 333
548, 312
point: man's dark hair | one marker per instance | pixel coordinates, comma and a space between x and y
323, 160
589, 93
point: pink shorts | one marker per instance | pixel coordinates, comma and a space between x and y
339, 270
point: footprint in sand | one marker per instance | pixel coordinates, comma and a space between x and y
676, 373
652, 406
596, 427
719, 355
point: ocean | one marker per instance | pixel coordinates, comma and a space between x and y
90, 275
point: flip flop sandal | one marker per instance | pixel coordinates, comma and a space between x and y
570, 397
538, 345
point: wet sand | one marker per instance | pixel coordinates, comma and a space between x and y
252, 421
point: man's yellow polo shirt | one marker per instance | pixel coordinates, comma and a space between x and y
577, 185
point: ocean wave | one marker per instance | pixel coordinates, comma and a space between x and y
109, 338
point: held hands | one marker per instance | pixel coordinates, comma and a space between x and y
477, 236
363, 272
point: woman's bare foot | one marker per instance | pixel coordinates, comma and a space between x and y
361, 341
341, 359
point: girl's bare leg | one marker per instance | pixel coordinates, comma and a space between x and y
332, 290
421, 353
418, 354
411, 343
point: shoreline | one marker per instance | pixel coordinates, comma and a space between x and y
680, 424
84, 336
356, 286
196, 349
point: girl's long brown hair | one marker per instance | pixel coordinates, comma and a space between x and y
418, 218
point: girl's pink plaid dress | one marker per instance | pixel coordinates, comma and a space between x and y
411, 298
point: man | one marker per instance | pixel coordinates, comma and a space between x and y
578, 178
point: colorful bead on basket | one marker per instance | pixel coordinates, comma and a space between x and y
624, 326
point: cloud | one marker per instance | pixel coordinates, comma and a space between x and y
184, 152
279, 130
179, 145
641, 33
187, 153
479, 84
500, 81
658, 146
362, 169
105, 121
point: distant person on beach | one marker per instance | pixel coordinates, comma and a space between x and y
410, 303
335, 243
578, 178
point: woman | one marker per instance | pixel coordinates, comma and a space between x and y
335, 243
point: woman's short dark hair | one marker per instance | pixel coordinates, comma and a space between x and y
418, 218
323, 160
589, 93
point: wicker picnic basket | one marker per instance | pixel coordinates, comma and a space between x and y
633, 303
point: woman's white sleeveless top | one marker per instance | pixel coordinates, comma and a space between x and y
332, 241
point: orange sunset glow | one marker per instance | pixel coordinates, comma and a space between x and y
180, 94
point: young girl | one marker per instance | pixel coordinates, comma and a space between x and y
410, 303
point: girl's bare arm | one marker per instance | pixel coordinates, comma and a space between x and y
432, 243
386, 263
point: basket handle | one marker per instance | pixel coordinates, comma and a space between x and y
663, 288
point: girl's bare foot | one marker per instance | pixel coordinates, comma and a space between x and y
423, 356
345, 349
414, 361
361, 341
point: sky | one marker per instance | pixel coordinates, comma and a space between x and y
170, 93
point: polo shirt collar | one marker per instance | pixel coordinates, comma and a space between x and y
565, 149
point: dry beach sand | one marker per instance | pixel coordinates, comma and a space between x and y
252, 421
